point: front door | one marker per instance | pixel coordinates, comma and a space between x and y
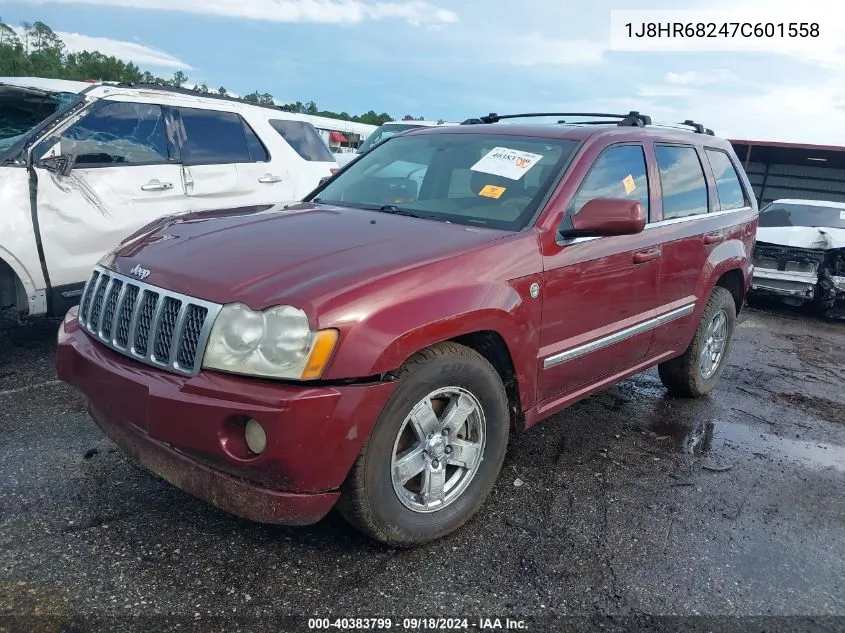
123, 178
600, 293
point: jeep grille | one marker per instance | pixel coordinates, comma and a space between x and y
150, 324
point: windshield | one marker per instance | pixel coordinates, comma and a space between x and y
21, 110
496, 181
784, 214
385, 131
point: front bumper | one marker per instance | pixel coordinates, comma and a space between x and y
189, 430
784, 283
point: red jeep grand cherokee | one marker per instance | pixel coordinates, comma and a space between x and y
373, 346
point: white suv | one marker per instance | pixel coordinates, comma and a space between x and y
84, 165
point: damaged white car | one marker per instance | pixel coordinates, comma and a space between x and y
800, 254
85, 165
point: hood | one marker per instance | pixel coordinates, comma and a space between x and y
817, 238
264, 256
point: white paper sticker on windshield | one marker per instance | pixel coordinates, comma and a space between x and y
842, 215
507, 163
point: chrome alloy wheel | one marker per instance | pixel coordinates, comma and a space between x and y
438, 450
713, 349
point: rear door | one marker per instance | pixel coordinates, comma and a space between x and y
224, 162
686, 199
125, 176
600, 293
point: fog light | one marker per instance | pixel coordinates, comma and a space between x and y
256, 438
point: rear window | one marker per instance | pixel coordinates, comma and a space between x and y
785, 214
303, 138
491, 180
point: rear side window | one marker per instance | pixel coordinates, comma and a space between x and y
619, 172
303, 138
213, 137
731, 194
682, 180
117, 134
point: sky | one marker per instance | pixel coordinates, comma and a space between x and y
455, 59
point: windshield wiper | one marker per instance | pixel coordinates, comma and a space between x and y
384, 208
392, 208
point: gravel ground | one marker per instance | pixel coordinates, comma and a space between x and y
629, 504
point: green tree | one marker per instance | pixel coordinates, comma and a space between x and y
39, 52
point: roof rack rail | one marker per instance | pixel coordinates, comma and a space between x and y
698, 127
632, 119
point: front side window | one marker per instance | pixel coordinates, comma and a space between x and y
682, 181
619, 172
731, 194
497, 181
303, 138
115, 134
213, 137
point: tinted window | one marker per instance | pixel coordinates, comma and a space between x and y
257, 151
481, 179
731, 195
620, 172
303, 138
116, 134
682, 179
213, 137
789, 214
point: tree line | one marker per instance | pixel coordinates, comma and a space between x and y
39, 52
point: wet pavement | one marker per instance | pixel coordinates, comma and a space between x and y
628, 503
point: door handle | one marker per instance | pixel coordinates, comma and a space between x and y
641, 257
713, 238
270, 178
156, 185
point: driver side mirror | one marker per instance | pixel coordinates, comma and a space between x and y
604, 217
58, 164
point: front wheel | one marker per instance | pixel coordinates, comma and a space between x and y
698, 369
435, 451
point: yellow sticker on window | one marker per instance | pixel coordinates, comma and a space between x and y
492, 191
629, 184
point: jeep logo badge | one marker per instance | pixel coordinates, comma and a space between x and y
143, 273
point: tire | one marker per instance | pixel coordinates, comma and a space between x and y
397, 513
684, 376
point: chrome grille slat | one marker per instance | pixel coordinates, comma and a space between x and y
123, 315
178, 334
112, 296
152, 325
85, 300
96, 300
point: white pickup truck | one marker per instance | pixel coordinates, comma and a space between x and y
85, 165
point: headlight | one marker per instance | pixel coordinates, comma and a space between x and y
277, 343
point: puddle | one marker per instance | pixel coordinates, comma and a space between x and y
717, 437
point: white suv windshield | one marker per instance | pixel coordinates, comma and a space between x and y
489, 180
386, 131
21, 110
784, 214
